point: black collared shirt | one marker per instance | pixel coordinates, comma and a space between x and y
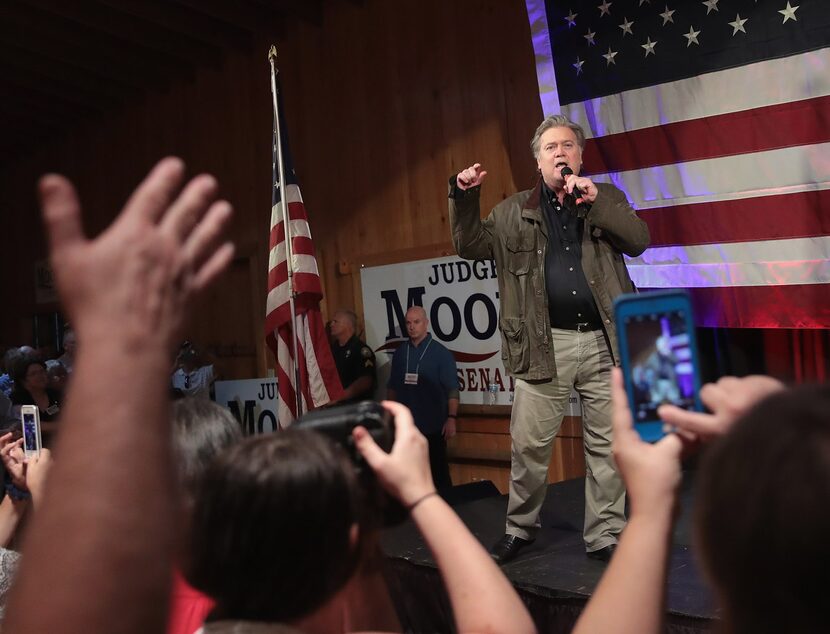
570, 301
354, 359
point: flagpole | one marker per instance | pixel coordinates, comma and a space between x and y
289, 260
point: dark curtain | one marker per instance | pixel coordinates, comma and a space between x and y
794, 356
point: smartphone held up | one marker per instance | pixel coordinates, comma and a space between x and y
658, 355
30, 420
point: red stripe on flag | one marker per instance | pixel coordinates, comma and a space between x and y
792, 306
748, 219
299, 244
782, 125
296, 211
322, 352
303, 282
284, 381
282, 314
276, 318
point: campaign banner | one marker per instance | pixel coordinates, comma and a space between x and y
461, 299
253, 402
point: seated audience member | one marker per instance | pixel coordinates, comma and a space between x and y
10, 357
99, 554
194, 376
201, 430
57, 376
25, 481
70, 346
760, 519
8, 418
281, 521
31, 387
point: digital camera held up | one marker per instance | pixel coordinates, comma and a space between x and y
338, 423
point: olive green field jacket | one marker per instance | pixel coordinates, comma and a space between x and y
515, 235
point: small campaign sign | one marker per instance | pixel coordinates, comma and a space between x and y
253, 402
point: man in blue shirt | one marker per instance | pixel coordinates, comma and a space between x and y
423, 377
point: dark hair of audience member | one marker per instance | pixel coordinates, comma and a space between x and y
272, 535
10, 357
763, 517
201, 430
20, 369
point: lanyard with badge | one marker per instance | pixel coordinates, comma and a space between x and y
411, 378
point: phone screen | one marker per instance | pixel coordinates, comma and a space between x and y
29, 432
661, 362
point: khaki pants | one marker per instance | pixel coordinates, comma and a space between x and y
584, 363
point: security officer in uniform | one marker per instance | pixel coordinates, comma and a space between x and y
355, 360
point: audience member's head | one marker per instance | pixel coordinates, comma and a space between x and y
10, 358
57, 375
201, 430
69, 343
277, 527
29, 373
343, 325
763, 518
187, 359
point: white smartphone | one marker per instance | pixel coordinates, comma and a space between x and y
30, 418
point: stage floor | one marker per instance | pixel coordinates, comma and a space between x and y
553, 575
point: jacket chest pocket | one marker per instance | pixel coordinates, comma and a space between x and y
519, 254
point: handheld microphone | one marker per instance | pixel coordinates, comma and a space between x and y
567, 171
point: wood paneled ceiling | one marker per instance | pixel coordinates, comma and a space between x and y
68, 61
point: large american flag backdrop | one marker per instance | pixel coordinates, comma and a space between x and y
714, 118
318, 374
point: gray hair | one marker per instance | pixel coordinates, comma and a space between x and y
418, 309
556, 121
351, 316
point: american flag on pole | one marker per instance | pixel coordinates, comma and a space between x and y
318, 374
714, 117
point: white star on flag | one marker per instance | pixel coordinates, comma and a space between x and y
571, 18
789, 13
691, 36
590, 37
578, 65
605, 8
738, 24
714, 216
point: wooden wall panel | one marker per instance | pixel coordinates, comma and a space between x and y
481, 451
429, 93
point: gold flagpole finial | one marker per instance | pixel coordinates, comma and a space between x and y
272, 54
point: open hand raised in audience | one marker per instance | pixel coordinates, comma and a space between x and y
404, 472
140, 273
728, 399
651, 471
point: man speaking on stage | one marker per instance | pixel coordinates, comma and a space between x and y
559, 252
